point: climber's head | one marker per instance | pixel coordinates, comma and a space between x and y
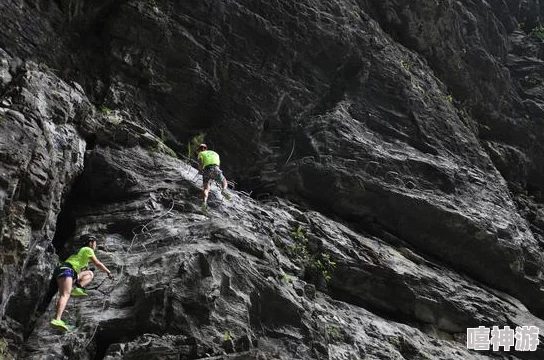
89, 240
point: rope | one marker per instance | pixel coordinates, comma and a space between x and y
291, 154
144, 227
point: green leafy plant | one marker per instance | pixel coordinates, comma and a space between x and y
227, 336
104, 110
298, 234
193, 144
538, 31
287, 278
299, 249
318, 265
322, 264
3, 349
333, 332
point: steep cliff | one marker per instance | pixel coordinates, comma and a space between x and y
385, 159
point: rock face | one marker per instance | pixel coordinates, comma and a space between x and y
41, 156
386, 162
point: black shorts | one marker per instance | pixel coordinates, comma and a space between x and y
212, 172
65, 270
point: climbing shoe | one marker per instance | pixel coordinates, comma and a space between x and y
226, 195
204, 208
59, 324
77, 291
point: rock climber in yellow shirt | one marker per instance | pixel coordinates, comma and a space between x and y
208, 164
72, 279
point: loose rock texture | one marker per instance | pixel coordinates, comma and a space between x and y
387, 162
194, 279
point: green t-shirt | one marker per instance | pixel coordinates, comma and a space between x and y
81, 259
208, 157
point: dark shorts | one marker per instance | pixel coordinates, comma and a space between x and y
212, 172
64, 271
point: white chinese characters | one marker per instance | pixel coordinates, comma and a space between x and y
524, 338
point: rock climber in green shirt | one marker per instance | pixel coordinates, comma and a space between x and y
71, 272
208, 164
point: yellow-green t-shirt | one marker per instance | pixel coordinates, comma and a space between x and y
208, 157
81, 259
